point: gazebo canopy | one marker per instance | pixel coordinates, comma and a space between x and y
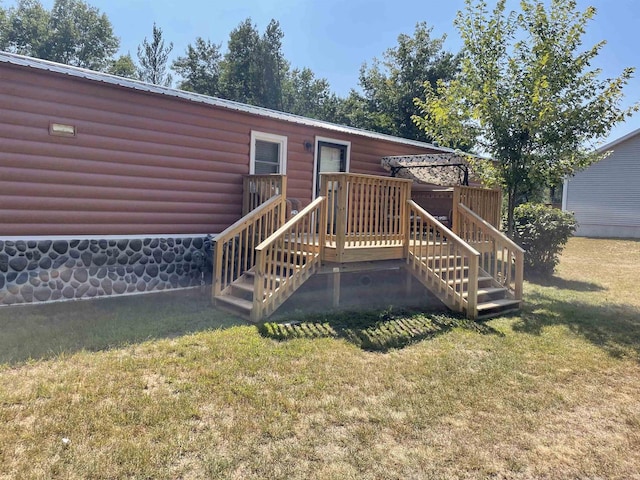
443, 169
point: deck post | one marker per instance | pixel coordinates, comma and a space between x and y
519, 275
335, 287
406, 221
472, 288
216, 279
258, 286
454, 214
341, 218
322, 221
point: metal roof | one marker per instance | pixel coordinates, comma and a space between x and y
86, 74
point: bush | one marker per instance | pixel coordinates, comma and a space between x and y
542, 232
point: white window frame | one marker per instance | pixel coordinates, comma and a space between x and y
316, 152
268, 137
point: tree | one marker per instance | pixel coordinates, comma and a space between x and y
4, 42
526, 95
73, 33
81, 35
390, 86
28, 29
304, 94
274, 66
153, 58
254, 68
200, 68
124, 66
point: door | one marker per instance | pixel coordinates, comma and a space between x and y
331, 157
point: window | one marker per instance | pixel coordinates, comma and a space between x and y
268, 153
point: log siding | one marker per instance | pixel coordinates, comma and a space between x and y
141, 163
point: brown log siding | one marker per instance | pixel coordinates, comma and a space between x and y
141, 163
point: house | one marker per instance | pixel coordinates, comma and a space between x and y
113, 186
605, 197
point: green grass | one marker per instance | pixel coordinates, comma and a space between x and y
550, 393
44, 331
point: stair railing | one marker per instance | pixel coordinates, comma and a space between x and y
499, 255
257, 189
234, 248
442, 261
287, 258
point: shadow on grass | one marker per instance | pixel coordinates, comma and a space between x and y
564, 284
372, 331
613, 327
46, 330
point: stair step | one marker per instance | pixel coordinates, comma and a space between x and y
241, 304
466, 280
487, 291
244, 286
498, 303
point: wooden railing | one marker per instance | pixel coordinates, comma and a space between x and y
234, 248
257, 189
443, 261
499, 255
287, 258
363, 210
486, 203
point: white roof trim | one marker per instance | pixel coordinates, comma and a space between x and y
84, 73
613, 143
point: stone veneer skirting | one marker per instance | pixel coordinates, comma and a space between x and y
33, 271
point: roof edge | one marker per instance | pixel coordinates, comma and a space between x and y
618, 140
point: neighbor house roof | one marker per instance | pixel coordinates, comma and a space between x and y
83, 73
618, 140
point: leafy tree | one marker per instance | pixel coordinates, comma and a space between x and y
73, 32
81, 35
274, 66
526, 94
153, 58
4, 42
28, 29
254, 68
241, 66
306, 95
124, 66
390, 85
200, 68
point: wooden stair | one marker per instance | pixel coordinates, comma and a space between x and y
493, 298
238, 297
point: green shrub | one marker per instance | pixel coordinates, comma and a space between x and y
542, 232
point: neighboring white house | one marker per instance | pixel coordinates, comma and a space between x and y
606, 196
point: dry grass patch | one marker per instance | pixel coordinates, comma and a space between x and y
552, 393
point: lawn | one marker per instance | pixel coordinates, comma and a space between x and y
162, 386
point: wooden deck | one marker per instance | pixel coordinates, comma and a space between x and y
362, 220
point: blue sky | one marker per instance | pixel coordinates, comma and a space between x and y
334, 37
